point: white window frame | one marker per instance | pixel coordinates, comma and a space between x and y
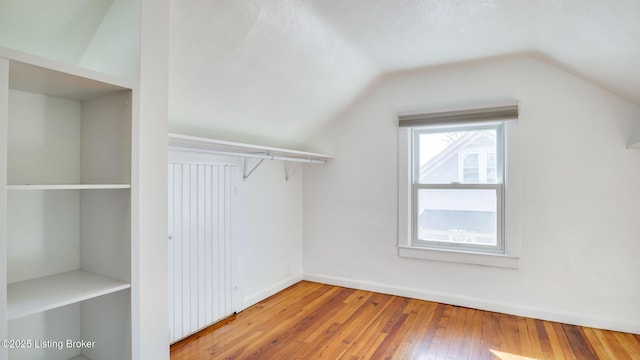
504, 255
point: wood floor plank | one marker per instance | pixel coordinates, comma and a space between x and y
413, 335
358, 323
461, 347
426, 340
601, 345
529, 335
578, 342
559, 341
510, 334
316, 321
615, 346
476, 349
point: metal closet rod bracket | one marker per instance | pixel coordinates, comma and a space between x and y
289, 171
245, 173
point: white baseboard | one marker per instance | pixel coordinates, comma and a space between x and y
271, 290
629, 326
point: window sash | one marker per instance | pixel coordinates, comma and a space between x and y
498, 187
499, 248
415, 144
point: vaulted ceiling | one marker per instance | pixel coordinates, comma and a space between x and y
274, 71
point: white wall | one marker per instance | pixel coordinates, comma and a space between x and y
53, 29
149, 288
115, 46
271, 248
102, 35
580, 234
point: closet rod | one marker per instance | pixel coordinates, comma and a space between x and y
266, 156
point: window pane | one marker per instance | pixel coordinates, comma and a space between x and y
491, 168
455, 156
471, 168
457, 216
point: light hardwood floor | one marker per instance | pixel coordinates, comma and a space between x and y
316, 321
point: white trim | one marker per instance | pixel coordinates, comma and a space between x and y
4, 126
574, 318
465, 257
511, 224
271, 290
405, 191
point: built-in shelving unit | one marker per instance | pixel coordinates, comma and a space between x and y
65, 209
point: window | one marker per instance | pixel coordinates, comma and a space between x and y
452, 192
457, 195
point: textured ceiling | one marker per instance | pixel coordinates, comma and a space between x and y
273, 71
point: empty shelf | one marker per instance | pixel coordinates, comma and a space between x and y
49, 292
69, 187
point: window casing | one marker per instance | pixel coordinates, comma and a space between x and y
457, 188
502, 179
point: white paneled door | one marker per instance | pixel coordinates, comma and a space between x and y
200, 285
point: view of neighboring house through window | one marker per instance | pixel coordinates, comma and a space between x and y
457, 187
478, 165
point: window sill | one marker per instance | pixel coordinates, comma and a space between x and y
496, 260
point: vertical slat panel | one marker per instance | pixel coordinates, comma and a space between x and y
227, 220
186, 279
200, 263
208, 271
193, 254
214, 245
221, 243
171, 252
177, 251
202, 258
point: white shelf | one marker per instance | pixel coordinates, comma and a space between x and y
35, 74
634, 146
178, 141
69, 187
49, 292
